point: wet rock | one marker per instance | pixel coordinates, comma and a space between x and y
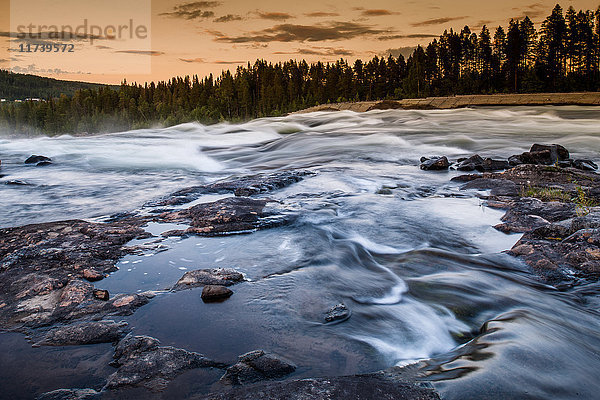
230, 215
469, 164
101, 294
434, 163
44, 163
213, 293
256, 366
92, 275
214, 276
141, 361
244, 186
337, 313
492, 165
498, 187
541, 154
42, 270
16, 182
330, 388
70, 394
585, 165
558, 152
527, 214
85, 333
34, 159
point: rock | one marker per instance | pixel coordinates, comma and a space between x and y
434, 163
202, 277
101, 294
141, 361
92, 275
70, 394
527, 214
84, 333
586, 165
492, 165
256, 366
469, 164
37, 159
337, 313
213, 293
44, 163
558, 152
226, 216
330, 388
244, 186
498, 187
16, 182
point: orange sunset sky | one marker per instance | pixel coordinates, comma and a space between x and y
202, 37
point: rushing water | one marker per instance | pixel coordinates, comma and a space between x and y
418, 263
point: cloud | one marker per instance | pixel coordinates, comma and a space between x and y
228, 18
142, 52
275, 16
534, 10
301, 33
377, 13
436, 21
409, 36
318, 14
101, 47
227, 62
192, 60
194, 10
405, 51
50, 35
33, 69
320, 51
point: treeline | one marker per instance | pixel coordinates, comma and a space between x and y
563, 56
23, 86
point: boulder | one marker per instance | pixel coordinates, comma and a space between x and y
141, 361
203, 277
34, 159
256, 366
541, 154
469, 164
585, 165
434, 163
337, 313
492, 165
101, 294
557, 152
70, 394
212, 293
84, 333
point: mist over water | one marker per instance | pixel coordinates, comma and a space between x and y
418, 264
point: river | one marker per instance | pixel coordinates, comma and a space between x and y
414, 258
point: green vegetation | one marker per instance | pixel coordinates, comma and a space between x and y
563, 56
584, 202
22, 86
546, 194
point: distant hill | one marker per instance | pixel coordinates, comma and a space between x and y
21, 86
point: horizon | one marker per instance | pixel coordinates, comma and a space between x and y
208, 37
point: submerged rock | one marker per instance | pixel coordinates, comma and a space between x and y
141, 361
85, 333
256, 366
213, 293
434, 163
214, 276
34, 159
70, 394
585, 165
337, 313
330, 388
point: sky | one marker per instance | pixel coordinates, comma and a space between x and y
150, 40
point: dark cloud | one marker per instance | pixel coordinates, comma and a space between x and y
405, 51
142, 52
301, 33
377, 13
320, 51
322, 14
194, 10
228, 18
101, 47
275, 16
39, 37
436, 21
410, 36
192, 60
534, 10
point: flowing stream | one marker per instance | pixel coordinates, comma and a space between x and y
414, 258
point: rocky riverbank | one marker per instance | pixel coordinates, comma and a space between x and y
444, 103
51, 273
